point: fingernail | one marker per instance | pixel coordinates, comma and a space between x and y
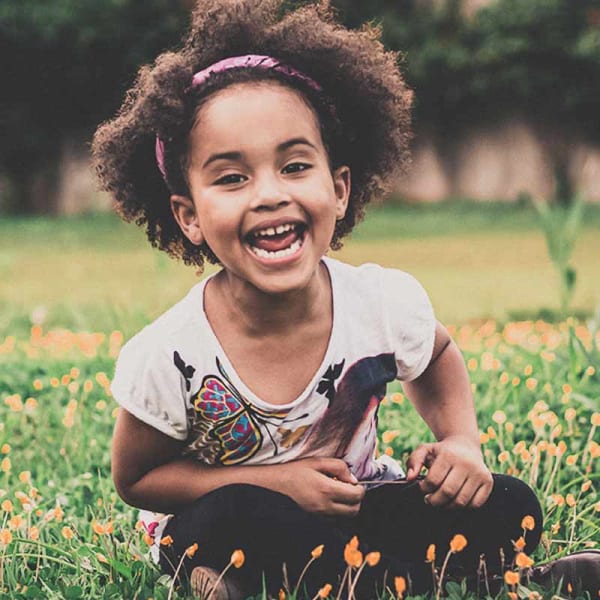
426, 498
353, 478
410, 472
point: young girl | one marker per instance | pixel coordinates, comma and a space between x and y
249, 409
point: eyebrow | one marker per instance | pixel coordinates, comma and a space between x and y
238, 155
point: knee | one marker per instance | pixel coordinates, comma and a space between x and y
519, 500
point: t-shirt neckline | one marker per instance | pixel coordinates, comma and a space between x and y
230, 369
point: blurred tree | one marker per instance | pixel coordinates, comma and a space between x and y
66, 64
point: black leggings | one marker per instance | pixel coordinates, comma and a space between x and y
272, 529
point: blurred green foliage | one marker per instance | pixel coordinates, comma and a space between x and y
68, 64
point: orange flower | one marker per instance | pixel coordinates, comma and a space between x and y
458, 543
511, 577
191, 550
430, 555
325, 591
400, 585
523, 561
237, 558
281, 594
5, 537
352, 557
101, 558
34, 533
316, 553
528, 522
167, 540
372, 558
513, 596
67, 533
519, 544
7, 506
148, 539
16, 522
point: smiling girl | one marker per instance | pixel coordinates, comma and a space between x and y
249, 409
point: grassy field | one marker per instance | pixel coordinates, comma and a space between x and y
64, 532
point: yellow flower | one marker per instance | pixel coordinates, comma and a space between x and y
458, 543
430, 554
372, 558
316, 553
400, 585
325, 591
523, 561
388, 436
511, 577
67, 533
528, 522
166, 540
191, 550
237, 558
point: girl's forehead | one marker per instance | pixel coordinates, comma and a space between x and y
255, 111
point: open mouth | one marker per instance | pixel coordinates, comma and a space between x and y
276, 242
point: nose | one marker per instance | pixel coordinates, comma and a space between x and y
269, 192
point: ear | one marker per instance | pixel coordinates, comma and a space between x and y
341, 184
185, 214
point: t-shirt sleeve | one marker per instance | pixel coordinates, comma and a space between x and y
149, 386
411, 322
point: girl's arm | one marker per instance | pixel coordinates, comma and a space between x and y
457, 475
148, 472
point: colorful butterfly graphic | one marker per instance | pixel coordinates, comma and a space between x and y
235, 421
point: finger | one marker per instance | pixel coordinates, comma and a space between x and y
448, 490
481, 495
346, 493
417, 460
336, 468
439, 470
344, 510
465, 495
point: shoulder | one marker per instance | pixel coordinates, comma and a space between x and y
373, 279
169, 328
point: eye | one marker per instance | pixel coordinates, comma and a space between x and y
230, 179
296, 167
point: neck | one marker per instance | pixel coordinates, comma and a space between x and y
260, 314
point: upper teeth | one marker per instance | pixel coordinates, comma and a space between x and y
274, 230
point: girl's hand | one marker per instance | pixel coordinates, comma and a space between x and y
457, 476
322, 485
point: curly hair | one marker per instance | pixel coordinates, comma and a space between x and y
363, 109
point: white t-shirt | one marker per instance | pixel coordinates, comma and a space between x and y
175, 376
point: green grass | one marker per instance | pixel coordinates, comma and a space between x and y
536, 385
475, 260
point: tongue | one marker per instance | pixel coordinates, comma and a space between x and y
273, 243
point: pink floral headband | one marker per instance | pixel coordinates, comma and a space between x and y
248, 61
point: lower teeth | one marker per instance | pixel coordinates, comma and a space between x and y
278, 253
